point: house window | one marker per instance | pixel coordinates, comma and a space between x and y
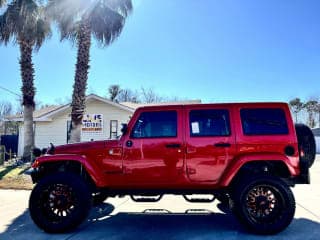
68, 130
113, 129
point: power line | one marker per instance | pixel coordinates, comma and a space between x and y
7, 90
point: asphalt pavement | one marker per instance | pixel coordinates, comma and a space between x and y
171, 218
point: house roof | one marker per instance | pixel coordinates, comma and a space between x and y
137, 105
36, 114
47, 113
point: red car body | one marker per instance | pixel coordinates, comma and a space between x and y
192, 162
246, 155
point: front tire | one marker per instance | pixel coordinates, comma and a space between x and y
264, 204
60, 202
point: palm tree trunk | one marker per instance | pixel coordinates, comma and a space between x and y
80, 81
28, 92
28, 132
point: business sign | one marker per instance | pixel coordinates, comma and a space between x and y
92, 123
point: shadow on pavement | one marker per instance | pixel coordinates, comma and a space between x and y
157, 224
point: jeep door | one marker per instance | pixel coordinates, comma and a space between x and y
210, 141
153, 149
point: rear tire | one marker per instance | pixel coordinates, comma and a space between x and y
264, 204
60, 202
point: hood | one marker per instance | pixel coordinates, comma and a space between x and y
83, 147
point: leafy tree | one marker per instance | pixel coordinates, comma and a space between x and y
317, 110
149, 96
311, 107
23, 22
5, 109
296, 106
128, 95
78, 21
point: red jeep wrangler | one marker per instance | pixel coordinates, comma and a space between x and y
246, 155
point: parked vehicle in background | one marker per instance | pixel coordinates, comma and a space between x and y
246, 155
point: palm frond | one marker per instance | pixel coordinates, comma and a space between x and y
24, 19
107, 19
67, 14
2, 3
124, 7
106, 24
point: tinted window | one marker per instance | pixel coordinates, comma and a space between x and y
268, 121
155, 124
209, 123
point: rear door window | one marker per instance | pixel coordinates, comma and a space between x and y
263, 121
209, 122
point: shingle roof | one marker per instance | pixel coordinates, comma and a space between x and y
45, 114
37, 113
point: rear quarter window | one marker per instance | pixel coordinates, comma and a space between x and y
264, 121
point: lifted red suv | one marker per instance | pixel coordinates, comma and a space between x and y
246, 155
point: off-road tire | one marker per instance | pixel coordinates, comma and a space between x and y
306, 144
263, 204
60, 202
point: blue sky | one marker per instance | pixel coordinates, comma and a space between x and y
216, 51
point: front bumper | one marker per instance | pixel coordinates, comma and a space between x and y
35, 175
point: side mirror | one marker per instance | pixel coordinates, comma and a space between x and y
124, 128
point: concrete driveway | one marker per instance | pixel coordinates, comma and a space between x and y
171, 218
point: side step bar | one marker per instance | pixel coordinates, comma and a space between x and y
198, 200
141, 198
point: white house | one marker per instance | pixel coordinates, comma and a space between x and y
102, 120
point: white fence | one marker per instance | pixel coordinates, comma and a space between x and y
318, 144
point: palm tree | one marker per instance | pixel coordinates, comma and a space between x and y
78, 21
311, 106
296, 106
23, 22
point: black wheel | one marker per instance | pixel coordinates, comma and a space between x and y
264, 204
60, 202
307, 144
99, 197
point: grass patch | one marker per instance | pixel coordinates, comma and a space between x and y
14, 177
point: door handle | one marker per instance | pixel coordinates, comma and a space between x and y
173, 145
222, 145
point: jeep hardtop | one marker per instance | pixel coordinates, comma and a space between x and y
245, 155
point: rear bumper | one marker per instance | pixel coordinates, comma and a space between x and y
303, 177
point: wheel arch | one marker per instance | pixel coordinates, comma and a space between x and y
274, 165
75, 164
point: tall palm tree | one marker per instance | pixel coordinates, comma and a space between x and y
78, 21
23, 22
